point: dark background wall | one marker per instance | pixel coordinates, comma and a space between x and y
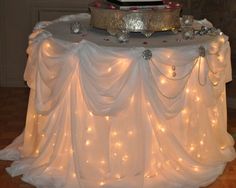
17, 18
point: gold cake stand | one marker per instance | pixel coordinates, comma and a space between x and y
147, 21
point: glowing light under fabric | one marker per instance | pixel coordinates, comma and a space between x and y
106, 117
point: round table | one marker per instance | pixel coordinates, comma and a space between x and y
143, 114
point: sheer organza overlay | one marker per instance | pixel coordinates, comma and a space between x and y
106, 117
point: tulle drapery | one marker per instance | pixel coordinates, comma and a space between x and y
106, 117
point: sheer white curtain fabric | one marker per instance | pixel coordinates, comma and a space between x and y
106, 117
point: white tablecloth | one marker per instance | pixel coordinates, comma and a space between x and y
101, 115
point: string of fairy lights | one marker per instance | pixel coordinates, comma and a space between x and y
118, 145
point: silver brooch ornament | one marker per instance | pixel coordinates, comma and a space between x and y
75, 27
147, 54
202, 51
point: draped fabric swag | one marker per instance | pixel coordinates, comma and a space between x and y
106, 117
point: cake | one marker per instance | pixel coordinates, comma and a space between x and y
127, 4
110, 15
139, 0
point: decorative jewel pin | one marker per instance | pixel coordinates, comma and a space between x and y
75, 27
147, 54
202, 51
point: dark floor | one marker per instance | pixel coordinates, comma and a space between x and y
13, 106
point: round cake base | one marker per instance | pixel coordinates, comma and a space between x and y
140, 20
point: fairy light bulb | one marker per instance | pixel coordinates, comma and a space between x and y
222, 39
91, 114
213, 121
61, 167
187, 90
222, 97
180, 159
161, 150
88, 142
163, 81
102, 162
102, 183
130, 133
170, 72
107, 118
132, 99
220, 58
125, 158
109, 69
187, 121
47, 45
117, 176
89, 130
168, 55
196, 169
114, 133
184, 111
215, 110
53, 76
222, 147
118, 144
202, 142
215, 83
192, 148
37, 151
74, 175
198, 156
146, 175
163, 129
197, 99
71, 151
30, 135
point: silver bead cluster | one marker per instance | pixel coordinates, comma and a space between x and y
187, 29
173, 68
208, 31
123, 36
